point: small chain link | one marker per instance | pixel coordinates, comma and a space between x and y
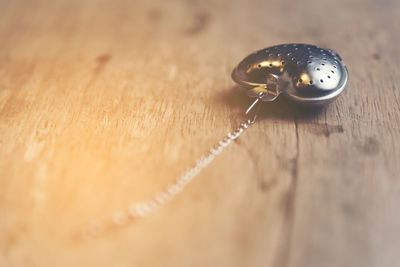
141, 209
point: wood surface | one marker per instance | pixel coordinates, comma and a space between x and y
104, 103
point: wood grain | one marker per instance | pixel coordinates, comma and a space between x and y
104, 103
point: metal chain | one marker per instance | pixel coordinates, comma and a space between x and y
141, 209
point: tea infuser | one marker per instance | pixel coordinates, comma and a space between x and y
304, 73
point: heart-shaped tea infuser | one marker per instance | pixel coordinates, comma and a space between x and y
306, 74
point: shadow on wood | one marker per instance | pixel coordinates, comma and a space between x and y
282, 108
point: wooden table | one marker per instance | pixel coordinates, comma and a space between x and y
105, 103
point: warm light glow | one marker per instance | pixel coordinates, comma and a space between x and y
259, 89
263, 64
305, 77
303, 80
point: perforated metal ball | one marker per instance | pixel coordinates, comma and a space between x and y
305, 73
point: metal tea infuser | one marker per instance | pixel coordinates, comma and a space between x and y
304, 73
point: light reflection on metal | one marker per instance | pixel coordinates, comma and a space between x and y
304, 73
